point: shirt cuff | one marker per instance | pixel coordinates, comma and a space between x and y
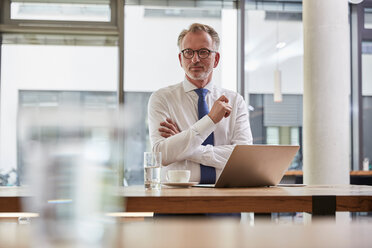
204, 127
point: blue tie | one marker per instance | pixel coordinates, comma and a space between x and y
207, 173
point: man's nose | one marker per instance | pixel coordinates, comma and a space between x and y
195, 58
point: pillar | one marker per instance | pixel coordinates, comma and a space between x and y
326, 122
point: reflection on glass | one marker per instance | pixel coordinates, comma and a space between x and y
53, 76
60, 12
272, 136
367, 99
274, 40
368, 18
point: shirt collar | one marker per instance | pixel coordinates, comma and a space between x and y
188, 86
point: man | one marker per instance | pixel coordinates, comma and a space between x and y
179, 123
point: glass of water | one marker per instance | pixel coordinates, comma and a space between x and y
152, 165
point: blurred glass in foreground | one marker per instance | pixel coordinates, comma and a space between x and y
72, 163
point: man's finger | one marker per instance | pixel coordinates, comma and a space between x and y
223, 98
228, 110
166, 124
174, 124
166, 130
170, 126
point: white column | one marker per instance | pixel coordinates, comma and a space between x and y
326, 92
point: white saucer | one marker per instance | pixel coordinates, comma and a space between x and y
183, 185
290, 185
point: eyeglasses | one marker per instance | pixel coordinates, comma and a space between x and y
202, 53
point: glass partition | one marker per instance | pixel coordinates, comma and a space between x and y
53, 77
151, 59
368, 18
274, 42
367, 99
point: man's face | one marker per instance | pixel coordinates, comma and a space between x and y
197, 68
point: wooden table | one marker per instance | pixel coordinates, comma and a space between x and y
319, 200
356, 177
210, 233
352, 173
11, 198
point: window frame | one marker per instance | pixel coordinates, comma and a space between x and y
7, 19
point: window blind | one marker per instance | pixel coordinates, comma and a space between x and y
285, 113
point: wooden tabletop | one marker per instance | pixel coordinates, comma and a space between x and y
326, 198
280, 190
352, 173
313, 199
210, 233
11, 198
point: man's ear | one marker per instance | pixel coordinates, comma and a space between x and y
180, 58
216, 59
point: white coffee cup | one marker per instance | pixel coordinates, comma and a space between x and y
178, 176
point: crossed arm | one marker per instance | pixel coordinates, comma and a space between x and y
220, 109
177, 145
168, 128
215, 156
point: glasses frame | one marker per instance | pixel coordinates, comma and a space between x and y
197, 51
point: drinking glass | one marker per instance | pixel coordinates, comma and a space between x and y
152, 166
70, 160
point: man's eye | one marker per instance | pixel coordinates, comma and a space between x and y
203, 52
189, 52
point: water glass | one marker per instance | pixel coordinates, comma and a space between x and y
152, 166
70, 162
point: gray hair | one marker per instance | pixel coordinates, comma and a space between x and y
197, 27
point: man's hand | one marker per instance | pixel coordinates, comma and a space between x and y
220, 109
169, 128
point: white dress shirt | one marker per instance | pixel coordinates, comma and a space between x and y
185, 150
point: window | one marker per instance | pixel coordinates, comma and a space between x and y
274, 41
367, 98
69, 11
50, 76
368, 18
151, 60
55, 54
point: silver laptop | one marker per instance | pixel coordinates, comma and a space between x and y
255, 166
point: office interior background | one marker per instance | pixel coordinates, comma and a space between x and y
97, 54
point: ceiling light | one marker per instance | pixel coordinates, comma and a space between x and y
280, 45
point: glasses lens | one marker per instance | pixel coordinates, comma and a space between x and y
188, 53
203, 53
